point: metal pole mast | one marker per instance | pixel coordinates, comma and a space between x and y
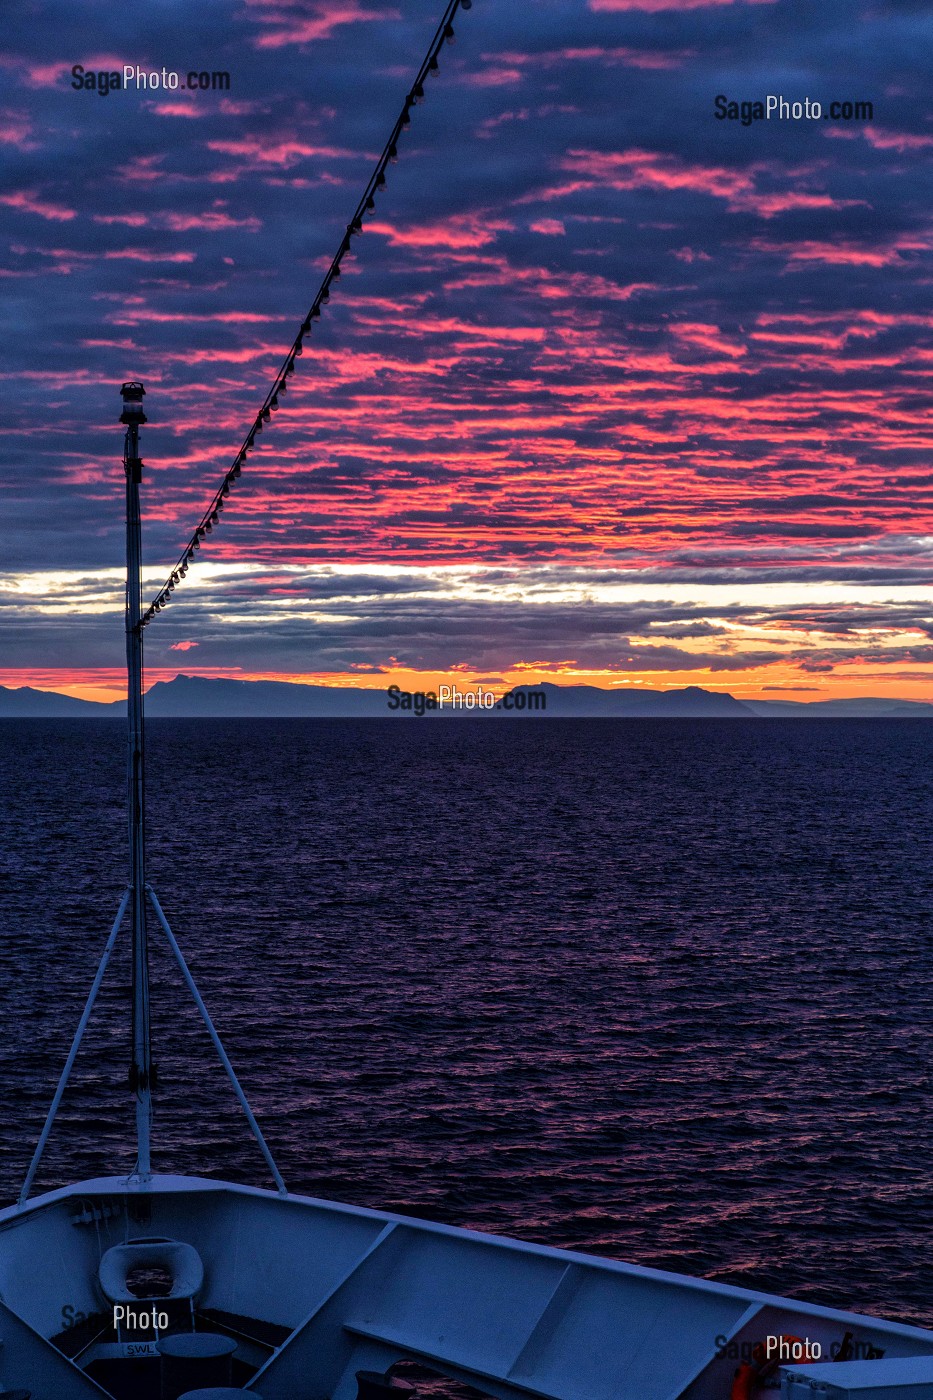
141, 1075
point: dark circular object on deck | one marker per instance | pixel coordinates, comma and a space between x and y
195, 1360
374, 1385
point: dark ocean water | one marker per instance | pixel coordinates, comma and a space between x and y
655, 989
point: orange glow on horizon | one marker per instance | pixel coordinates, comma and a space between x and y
776, 682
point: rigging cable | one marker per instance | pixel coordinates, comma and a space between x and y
211, 516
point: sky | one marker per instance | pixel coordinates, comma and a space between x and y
612, 391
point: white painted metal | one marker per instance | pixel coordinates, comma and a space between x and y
900, 1378
121, 1351
141, 1068
180, 1260
363, 1289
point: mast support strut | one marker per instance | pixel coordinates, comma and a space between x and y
73, 1052
218, 1043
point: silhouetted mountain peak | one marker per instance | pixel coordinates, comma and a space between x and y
187, 696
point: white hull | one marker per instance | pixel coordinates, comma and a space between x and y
334, 1289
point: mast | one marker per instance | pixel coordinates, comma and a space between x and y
141, 1073
142, 1076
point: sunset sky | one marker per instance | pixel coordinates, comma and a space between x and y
612, 391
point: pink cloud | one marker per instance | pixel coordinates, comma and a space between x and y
707, 338
142, 168
616, 6
767, 205
495, 76
900, 141
16, 130
29, 202
130, 220
212, 220
636, 168
611, 57
68, 257
449, 326
234, 108
110, 344
259, 153
460, 231
143, 255
46, 74
841, 253
178, 109
182, 646
548, 227
243, 356
51, 74
148, 316
491, 271
287, 27
641, 169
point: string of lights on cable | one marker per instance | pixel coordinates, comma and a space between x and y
211, 517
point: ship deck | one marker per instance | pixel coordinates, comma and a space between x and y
311, 1291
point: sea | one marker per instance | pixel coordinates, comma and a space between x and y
656, 989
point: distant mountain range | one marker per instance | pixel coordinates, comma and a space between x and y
192, 696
